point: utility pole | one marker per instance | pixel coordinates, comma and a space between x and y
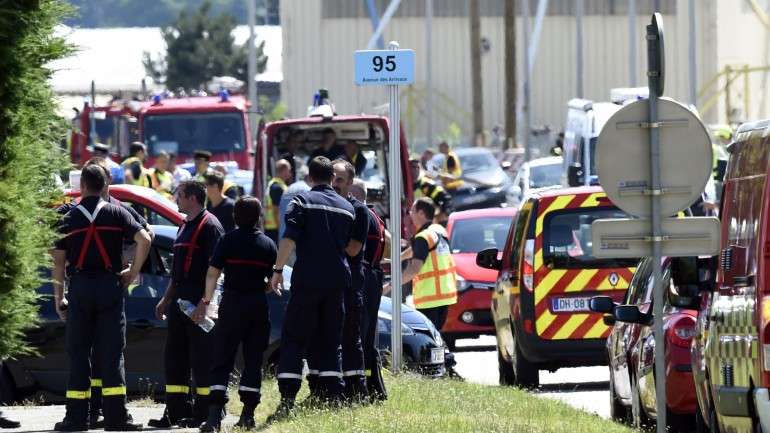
526, 104
476, 85
693, 64
632, 68
579, 51
429, 71
251, 10
510, 74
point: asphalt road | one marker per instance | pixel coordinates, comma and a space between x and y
585, 388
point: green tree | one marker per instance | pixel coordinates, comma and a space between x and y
200, 47
30, 133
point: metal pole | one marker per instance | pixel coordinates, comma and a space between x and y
394, 169
579, 49
525, 108
632, 66
92, 136
251, 11
429, 71
693, 65
654, 32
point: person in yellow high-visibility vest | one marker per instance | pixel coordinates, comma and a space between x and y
161, 179
275, 189
136, 174
451, 171
432, 269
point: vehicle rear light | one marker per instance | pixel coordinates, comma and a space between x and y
528, 326
681, 332
528, 267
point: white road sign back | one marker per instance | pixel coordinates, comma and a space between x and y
630, 238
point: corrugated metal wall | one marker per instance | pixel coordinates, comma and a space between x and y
318, 52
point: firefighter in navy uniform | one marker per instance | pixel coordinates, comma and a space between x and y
352, 349
94, 310
318, 222
376, 241
187, 345
247, 257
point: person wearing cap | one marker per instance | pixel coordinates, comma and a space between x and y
202, 158
101, 150
329, 147
161, 179
136, 174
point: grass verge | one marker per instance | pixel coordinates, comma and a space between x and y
422, 405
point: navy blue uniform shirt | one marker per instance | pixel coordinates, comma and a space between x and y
359, 232
191, 283
224, 213
247, 257
115, 223
320, 222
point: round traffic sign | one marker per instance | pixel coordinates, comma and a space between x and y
623, 158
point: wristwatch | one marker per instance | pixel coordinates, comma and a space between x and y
277, 270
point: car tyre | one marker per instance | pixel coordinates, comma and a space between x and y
639, 416
526, 373
618, 411
505, 369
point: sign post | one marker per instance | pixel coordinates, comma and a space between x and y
654, 159
392, 67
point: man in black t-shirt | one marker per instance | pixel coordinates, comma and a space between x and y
187, 345
218, 204
89, 257
246, 256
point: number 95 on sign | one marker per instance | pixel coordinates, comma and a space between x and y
384, 67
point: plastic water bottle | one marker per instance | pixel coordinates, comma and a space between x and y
188, 308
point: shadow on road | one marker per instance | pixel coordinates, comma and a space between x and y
573, 387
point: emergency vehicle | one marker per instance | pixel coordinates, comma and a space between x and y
178, 125
547, 276
731, 348
369, 132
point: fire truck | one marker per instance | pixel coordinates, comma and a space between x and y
178, 125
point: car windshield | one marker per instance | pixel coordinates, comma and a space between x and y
476, 234
476, 162
545, 175
567, 241
182, 134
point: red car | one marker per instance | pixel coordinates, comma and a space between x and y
470, 232
158, 210
631, 347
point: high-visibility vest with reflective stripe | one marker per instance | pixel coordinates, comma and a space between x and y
433, 189
457, 171
271, 209
436, 283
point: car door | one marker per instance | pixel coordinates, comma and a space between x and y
645, 346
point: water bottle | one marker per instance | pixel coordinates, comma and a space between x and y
188, 308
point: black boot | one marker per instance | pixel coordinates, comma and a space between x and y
246, 421
284, 411
69, 425
7, 423
127, 425
161, 423
214, 421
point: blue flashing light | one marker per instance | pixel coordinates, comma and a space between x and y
156, 99
224, 95
316, 99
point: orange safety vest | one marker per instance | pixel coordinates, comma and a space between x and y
436, 283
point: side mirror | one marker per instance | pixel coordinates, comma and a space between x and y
631, 314
575, 174
602, 304
609, 320
487, 259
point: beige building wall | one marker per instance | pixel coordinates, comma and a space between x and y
318, 52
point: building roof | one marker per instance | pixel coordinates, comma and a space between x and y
112, 57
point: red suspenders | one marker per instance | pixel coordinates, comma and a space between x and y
92, 233
192, 245
380, 237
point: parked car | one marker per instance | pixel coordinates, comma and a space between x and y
547, 276
424, 350
157, 209
631, 346
486, 184
731, 348
470, 232
534, 175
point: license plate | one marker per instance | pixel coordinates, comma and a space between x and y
569, 305
437, 355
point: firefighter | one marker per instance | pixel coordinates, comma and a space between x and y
94, 310
217, 203
135, 172
432, 269
425, 187
275, 189
161, 179
451, 172
352, 350
246, 256
318, 223
201, 159
377, 240
187, 345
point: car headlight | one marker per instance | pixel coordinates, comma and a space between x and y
462, 284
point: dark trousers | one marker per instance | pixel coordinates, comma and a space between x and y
312, 315
437, 315
96, 384
372, 363
96, 312
352, 346
187, 347
243, 319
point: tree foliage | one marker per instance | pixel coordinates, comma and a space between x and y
30, 133
200, 47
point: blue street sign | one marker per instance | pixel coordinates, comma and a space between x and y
384, 67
